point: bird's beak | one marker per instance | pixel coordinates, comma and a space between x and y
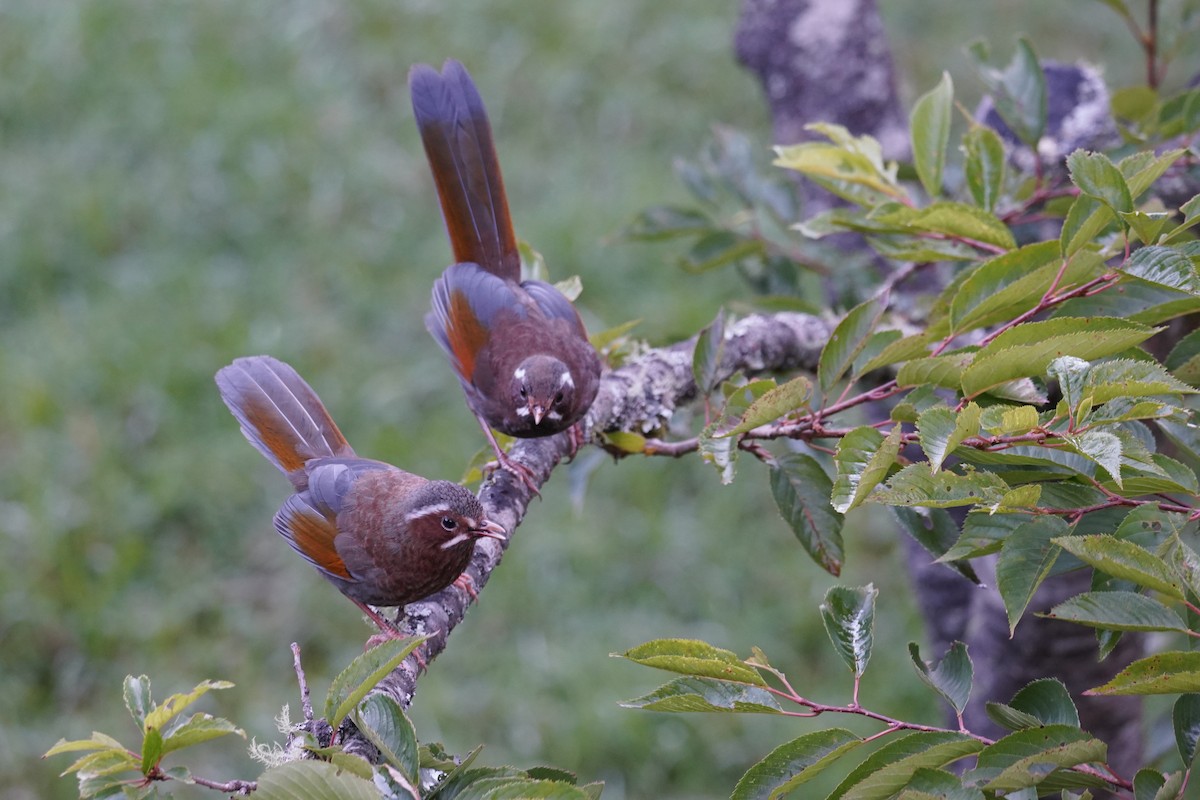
491, 530
538, 412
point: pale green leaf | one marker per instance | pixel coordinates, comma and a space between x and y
945, 370
360, 676
1125, 560
694, 658
1102, 447
941, 429
917, 485
707, 694
1173, 672
165, 711
312, 780
1097, 176
772, 405
1025, 758
1118, 611
929, 127
199, 728
1164, 267
888, 769
965, 223
984, 165
849, 617
863, 459
848, 339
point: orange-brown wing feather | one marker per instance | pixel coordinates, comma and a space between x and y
311, 534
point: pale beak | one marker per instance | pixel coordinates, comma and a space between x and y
491, 530
538, 412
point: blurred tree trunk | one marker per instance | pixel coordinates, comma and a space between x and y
829, 60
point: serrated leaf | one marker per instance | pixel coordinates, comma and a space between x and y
137, 698
1026, 558
772, 405
707, 694
199, 728
1015, 282
1026, 350
709, 352
1124, 560
914, 346
1163, 266
1102, 447
793, 764
161, 714
937, 784
1185, 719
521, 788
950, 678
801, 489
916, 485
1118, 611
1027, 757
863, 459
983, 534
352, 684
102, 763
1048, 701
848, 339
1086, 219
1118, 378
1150, 784
312, 780
1018, 91
1148, 225
849, 617
984, 165
888, 769
929, 127
964, 223
695, 658
1010, 718
381, 719
944, 370
940, 430
850, 167
1097, 176
1173, 672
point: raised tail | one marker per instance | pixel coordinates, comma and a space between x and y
280, 414
458, 143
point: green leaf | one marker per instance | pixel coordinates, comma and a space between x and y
1026, 350
312, 780
945, 370
199, 728
1086, 219
1173, 672
1097, 176
1026, 558
793, 764
104, 762
888, 769
709, 352
983, 534
1148, 225
936, 531
519, 787
1184, 359
1124, 560
951, 678
849, 617
1018, 91
695, 658
1011, 284
850, 167
1102, 447
963, 222
381, 719
930, 133
904, 349
137, 698
707, 694
848, 339
98, 741
164, 712
721, 452
916, 485
941, 430
1128, 378
772, 405
863, 459
1026, 758
1118, 611
801, 489
1143, 168
1048, 701
1150, 784
1185, 718
937, 784
1165, 267
360, 677
984, 165
1008, 717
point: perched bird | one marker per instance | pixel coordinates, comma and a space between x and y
519, 347
382, 536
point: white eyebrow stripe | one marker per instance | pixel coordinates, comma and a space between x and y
519, 374
436, 508
462, 537
566, 380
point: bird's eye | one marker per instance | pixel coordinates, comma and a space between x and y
558, 398
449, 524
524, 392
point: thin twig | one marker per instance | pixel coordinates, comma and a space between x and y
305, 696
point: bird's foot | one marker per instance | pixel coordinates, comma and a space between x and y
467, 584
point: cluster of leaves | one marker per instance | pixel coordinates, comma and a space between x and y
1025, 395
308, 769
1045, 751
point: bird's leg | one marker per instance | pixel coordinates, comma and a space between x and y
513, 467
575, 440
388, 630
467, 584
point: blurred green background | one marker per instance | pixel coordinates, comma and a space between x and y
183, 183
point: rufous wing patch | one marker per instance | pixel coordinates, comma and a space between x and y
311, 534
466, 333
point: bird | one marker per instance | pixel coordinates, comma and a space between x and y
382, 536
519, 348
